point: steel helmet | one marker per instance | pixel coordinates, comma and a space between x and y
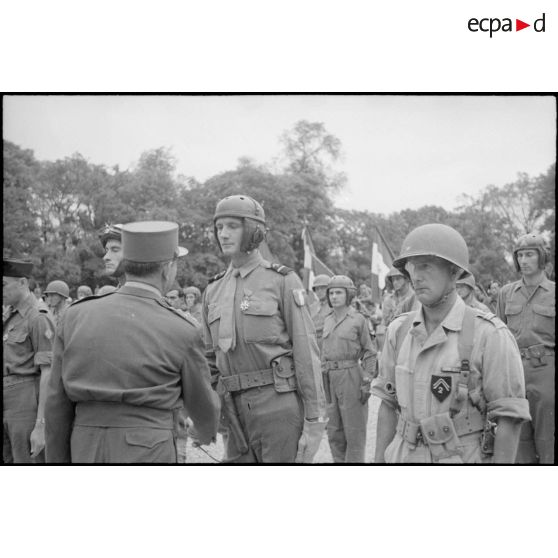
437, 240
468, 280
393, 272
342, 282
193, 290
531, 241
110, 232
320, 281
253, 216
58, 287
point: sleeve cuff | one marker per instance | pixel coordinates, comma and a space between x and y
385, 390
513, 407
43, 357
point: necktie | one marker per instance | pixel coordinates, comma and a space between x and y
226, 326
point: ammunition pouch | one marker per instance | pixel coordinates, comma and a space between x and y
536, 354
441, 437
284, 377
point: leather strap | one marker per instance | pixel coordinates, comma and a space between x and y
247, 380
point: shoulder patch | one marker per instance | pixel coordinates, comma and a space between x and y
299, 297
218, 276
186, 317
282, 269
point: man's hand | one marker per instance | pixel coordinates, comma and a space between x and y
37, 439
309, 442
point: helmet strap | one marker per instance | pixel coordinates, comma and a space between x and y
442, 299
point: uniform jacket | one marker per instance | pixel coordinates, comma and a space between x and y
530, 317
391, 304
319, 311
349, 339
271, 319
471, 301
404, 381
129, 347
28, 334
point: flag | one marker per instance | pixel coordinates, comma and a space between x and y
382, 258
312, 264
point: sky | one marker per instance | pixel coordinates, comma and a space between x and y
400, 152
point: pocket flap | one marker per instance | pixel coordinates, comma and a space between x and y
512, 309
438, 429
261, 308
17, 336
147, 438
549, 311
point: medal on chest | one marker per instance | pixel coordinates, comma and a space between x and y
245, 302
440, 386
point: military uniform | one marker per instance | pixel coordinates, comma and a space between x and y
391, 306
196, 312
345, 342
28, 336
318, 312
471, 301
530, 314
272, 369
420, 379
124, 365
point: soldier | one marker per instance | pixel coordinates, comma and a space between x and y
125, 364
83, 291
493, 291
174, 298
259, 333
346, 341
401, 290
528, 307
466, 290
320, 308
450, 371
57, 293
27, 355
192, 299
111, 239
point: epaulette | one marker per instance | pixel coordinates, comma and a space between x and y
218, 276
490, 317
91, 297
282, 269
178, 312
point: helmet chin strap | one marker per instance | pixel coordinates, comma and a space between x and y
441, 300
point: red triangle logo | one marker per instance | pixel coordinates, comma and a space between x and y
519, 25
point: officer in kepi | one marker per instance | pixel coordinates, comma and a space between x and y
28, 333
126, 363
349, 365
528, 307
451, 379
261, 339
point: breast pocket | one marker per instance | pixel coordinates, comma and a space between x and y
513, 315
20, 345
544, 319
261, 322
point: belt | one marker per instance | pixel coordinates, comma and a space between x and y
247, 380
412, 432
339, 364
123, 415
14, 379
536, 351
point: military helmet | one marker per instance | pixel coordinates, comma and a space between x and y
342, 282
468, 280
253, 217
437, 240
320, 281
110, 232
193, 290
531, 241
393, 272
241, 207
58, 287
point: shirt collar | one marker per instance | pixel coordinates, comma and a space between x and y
546, 284
254, 260
25, 305
144, 286
452, 321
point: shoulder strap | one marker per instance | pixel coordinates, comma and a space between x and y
218, 276
282, 269
401, 333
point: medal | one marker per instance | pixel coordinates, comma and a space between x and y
244, 305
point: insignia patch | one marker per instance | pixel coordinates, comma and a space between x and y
440, 386
299, 297
48, 333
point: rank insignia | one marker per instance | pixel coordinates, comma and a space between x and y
245, 304
48, 333
440, 386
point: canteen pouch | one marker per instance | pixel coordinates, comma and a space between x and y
537, 354
284, 378
439, 434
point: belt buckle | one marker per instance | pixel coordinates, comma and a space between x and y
335, 365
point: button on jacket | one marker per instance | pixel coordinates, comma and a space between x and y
125, 362
405, 379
